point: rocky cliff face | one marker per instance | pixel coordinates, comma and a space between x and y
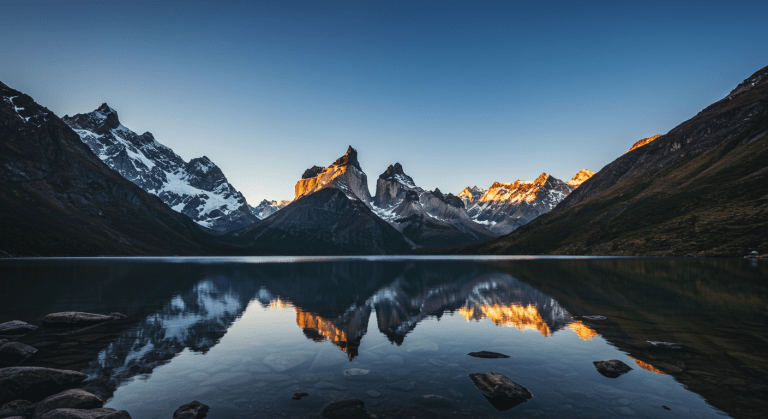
470, 196
267, 208
198, 189
60, 199
507, 206
344, 174
426, 218
698, 190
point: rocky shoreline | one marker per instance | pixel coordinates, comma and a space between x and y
43, 392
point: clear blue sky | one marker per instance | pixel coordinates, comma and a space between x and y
460, 93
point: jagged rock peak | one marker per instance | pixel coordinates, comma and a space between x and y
312, 172
348, 159
108, 114
391, 171
580, 177
542, 179
643, 142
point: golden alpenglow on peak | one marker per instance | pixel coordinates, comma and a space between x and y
512, 315
580, 177
643, 142
582, 331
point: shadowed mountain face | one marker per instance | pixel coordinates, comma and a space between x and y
60, 199
196, 188
324, 222
425, 218
701, 189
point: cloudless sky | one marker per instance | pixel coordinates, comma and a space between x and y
460, 93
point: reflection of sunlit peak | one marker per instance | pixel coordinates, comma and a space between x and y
325, 329
582, 330
467, 312
646, 366
512, 315
280, 304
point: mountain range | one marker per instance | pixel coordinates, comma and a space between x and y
699, 190
196, 188
87, 185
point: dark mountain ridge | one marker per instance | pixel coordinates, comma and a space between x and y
699, 190
60, 199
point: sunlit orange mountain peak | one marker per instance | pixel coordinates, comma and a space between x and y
344, 174
580, 177
643, 142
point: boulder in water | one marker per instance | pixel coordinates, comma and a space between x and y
35, 383
191, 410
15, 327
72, 399
612, 368
502, 392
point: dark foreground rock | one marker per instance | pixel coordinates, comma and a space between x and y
346, 409
17, 408
103, 413
192, 410
12, 353
76, 319
487, 354
612, 368
15, 327
35, 383
502, 392
72, 399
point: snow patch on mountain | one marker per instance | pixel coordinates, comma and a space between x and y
196, 188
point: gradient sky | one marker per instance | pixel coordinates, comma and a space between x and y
460, 93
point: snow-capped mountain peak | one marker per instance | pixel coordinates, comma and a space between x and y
198, 189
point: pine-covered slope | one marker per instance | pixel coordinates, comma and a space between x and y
57, 198
701, 189
197, 188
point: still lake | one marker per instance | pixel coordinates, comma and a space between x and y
242, 335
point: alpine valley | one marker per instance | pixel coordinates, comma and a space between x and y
87, 185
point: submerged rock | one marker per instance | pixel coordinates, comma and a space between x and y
435, 401
15, 327
72, 399
35, 383
612, 368
103, 413
285, 360
346, 409
76, 318
299, 396
502, 392
12, 353
487, 354
191, 410
665, 345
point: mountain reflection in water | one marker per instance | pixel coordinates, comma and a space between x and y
243, 331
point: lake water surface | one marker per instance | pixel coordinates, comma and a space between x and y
243, 334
